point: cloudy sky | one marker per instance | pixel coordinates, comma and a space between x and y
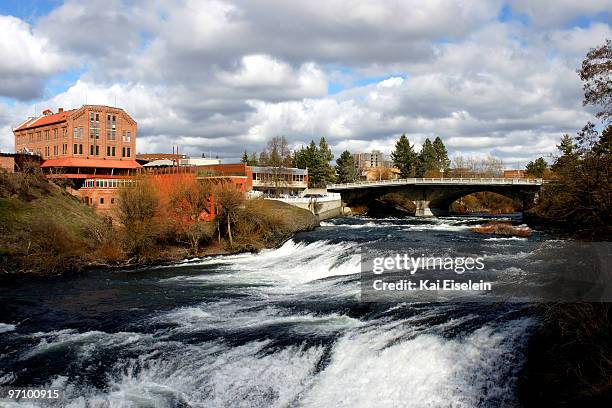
489, 77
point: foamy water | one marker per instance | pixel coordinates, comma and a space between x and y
284, 327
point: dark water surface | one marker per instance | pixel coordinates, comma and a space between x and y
285, 327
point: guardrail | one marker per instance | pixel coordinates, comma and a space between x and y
325, 198
450, 180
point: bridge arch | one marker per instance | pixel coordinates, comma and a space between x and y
440, 204
433, 197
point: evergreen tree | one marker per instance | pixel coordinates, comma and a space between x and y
568, 153
315, 165
537, 168
427, 159
346, 171
404, 157
441, 155
326, 152
327, 156
567, 145
253, 159
245, 158
314, 158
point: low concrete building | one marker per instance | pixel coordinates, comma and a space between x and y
279, 180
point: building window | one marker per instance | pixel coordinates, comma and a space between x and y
128, 152
123, 152
80, 149
112, 200
129, 136
113, 151
101, 200
94, 126
74, 149
91, 150
97, 150
108, 150
54, 133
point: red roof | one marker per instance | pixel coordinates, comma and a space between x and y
45, 120
100, 163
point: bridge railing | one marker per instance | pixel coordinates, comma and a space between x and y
325, 198
449, 180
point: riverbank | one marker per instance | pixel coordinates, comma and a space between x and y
47, 231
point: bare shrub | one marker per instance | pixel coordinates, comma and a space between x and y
137, 203
229, 200
199, 233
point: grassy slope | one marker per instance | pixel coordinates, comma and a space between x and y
44, 229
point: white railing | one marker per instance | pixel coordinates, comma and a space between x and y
288, 199
450, 180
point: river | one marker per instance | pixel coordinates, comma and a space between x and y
284, 327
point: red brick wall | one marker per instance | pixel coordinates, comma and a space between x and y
7, 163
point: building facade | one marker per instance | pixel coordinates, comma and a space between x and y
279, 180
375, 158
90, 132
86, 146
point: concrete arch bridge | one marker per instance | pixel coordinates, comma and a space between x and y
433, 196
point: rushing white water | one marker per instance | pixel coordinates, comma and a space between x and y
284, 327
6, 327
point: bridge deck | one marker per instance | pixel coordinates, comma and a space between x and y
438, 181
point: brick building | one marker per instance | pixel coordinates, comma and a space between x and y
514, 173
92, 132
91, 143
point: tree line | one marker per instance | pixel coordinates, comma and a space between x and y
431, 161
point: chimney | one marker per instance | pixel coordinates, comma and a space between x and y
60, 110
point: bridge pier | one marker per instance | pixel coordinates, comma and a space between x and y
422, 208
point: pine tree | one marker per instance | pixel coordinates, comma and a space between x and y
427, 159
346, 171
404, 157
326, 152
441, 155
314, 158
245, 158
327, 156
568, 153
567, 145
253, 159
537, 168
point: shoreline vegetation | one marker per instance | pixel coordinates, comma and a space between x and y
47, 231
